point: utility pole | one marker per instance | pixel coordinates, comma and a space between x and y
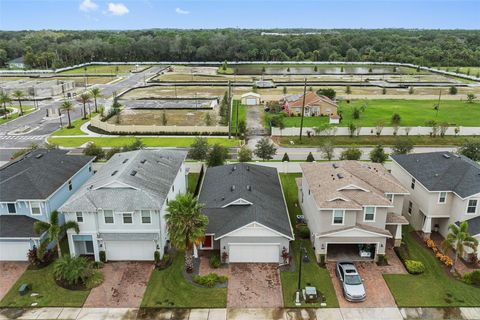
303, 108
437, 107
229, 97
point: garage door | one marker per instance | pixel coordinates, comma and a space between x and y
129, 250
254, 253
251, 101
14, 251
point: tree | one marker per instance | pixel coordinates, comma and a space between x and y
471, 149
84, 98
351, 154
356, 113
402, 146
186, 225
310, 157
198, 149
242, 128
384, 90
164, 118
351, 129
285, 158
458, 239
18, 94
137, 144
278, 121
327, 149
471, 97
217, 155
67, 106
54, 229
327, 92
4, 99
410, 90
208, 119
453, 90
396, 119
94, 151
96, 93
244, 154
378, 155
264, 149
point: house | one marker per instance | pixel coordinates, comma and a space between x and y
33, 186
444, 189
16, 63
248, 217
315, 105
352, 208
121, 209
250, 99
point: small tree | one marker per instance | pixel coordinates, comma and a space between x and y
67, 106
164, 118
285, 158
18, 94
356, 113
402, 146
244, 154
208, 119
378, 154
217, 156
453, 90
198, 149
94, 151
434, 125
351, 154
407, 130
84, 98
327, 92
384, 90
137, 144
264, 149
348, 90
242, 128
327, 149
471, 149
458, 239
471, 98
410, 90
284, 90
443, 128
379, 128
95, 93
396, 119
310, 157
351, 129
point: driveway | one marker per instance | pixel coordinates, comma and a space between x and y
124, 285
10, 272
255, 121
254, 285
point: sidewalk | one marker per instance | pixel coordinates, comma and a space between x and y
242, 314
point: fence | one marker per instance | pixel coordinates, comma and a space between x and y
372, 131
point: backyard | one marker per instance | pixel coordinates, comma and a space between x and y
242, 114
105, 142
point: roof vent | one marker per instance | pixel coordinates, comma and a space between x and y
232, 188
114, 172
133, 173
446, 156
38, 156
249, 187
124, 161
335, 165
143, 161
340, 176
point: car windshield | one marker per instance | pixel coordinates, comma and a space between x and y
353, 279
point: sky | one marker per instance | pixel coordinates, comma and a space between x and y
206, 14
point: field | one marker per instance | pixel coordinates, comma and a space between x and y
111, 69
173, 117
473, 71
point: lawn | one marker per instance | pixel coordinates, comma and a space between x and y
26, 110
192, 181
242, 114
434, 288
311, 272
168, 288
111, 69
412, 113
50, 295
474, 71
181, 142
75, 131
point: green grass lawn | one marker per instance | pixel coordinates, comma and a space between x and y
192, 181
434, 288
311, 272
182, 142
50, 295
26, 110
112, 69
75, 131
242, 114
168, 288
412, 113
474, 71
227, 71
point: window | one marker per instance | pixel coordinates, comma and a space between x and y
389, 197
108, 216
413, 184
410, 207
90, 168
173, 188
35, 208
442, 197
11, 208
79, 217
369, 214
338, 216
146, 216
70, 186
127, 218
472, 206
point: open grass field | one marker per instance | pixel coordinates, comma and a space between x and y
112, 69
174, 117
75, 131
169, 289
434, 288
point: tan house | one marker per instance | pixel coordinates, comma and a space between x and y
352, 208
250, 99
315, 105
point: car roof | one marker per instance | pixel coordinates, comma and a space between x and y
348, 266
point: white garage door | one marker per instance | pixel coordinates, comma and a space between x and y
129, 250
14, 251
251, 101
254, 252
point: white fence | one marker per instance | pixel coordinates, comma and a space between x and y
372, 131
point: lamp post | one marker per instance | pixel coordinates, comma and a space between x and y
303, 257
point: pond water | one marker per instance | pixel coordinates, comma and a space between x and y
281, 70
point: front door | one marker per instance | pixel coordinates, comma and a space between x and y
89, 247
208, 242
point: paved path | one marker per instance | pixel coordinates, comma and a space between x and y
10, 272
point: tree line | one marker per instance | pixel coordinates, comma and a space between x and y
55, 49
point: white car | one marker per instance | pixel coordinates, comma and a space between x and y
352, 283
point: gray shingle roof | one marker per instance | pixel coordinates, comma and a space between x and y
265, 194
443, 171
38, 174
129, 181
473, 226
17, 226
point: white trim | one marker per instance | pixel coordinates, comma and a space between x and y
365, 213
476, 207
114, 181
249, 224
338, 198
39, 206
349, 229
440, 195
123, 220
352, 187
113, 216
393, 197
238, 202
81, 216
149, 216
333, 217
213, 239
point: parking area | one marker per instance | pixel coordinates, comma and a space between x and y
10, 272
124, 285
254, 285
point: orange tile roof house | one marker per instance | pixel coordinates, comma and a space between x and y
315, 105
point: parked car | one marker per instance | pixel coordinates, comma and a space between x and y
352, 283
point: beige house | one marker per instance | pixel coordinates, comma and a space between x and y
444, 189
352, 208
315, 105
250, 99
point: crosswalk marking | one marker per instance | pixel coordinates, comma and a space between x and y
5, 137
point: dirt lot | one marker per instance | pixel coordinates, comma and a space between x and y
124, 285
174, 117
9, 274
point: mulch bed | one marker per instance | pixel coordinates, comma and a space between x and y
76, 287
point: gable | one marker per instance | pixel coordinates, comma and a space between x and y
253, 229
115, 185
353, 187
238, 202
354, 232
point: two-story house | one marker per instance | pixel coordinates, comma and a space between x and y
351, 209
31, 187
444, 188
121, 209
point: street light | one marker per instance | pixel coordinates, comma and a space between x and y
303, 257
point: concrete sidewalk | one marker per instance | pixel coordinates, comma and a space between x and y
242, 314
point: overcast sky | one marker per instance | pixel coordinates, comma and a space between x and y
142, 14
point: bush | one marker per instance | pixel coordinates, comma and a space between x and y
304, 232
214, 261
382, 260
453, 90
310, 157
72, 271
156, 256
103, 256
414, 267
351, 154
110, 153
209, 280
40, 260
402, 252
472, 277
97, 265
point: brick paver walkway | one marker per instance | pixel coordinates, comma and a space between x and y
9, 274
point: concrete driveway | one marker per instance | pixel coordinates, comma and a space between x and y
124, 285
254, 285
10, 272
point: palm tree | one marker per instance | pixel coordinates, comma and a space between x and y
96, 93
18, 94
4, 99
67, 106
458, 239
84, 98
186, 225
54, 229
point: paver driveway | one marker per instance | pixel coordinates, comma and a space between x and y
9, 274
254, 285
124, 285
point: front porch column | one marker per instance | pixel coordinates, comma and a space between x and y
398, 236
427, 227
195, 251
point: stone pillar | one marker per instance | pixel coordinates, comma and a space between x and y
398, 236
427, 228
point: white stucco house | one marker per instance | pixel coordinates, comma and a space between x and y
121, 209
250, 99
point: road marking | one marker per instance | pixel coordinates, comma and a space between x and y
5, 137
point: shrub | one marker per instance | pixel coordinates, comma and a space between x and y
110, 153
402, 252
351, 154
453, 90
97, 265
304, 232
209, 280
103, 256
414, 267
285, 158
382, 260
214, 261
156, 256
94, 151
472, 277
40, 260
72, 270
310, 157
322, 260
